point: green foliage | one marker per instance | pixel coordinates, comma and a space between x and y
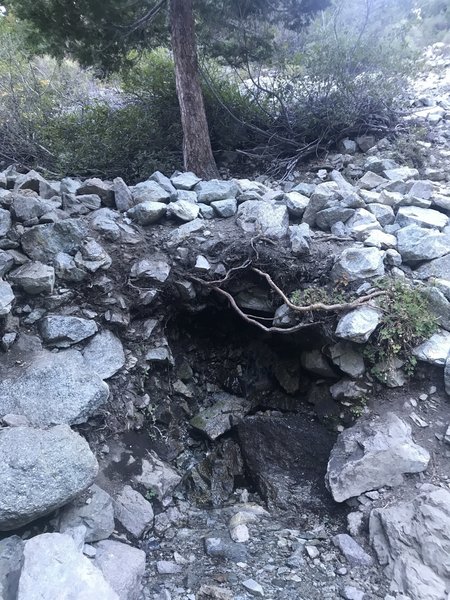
317, 295
406, 322
408, 149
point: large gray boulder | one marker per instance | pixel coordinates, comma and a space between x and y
133, 511
412, 540
148, 212
44, 242
26, 208
11, 553
49, 388
122, 566
265, 218
149, 191
93, 510
34, 278
358, 263
417, 244
6, 298
215, 189
63, 331
372, 454
435, 350
40, 471
55, 569
104, 354
423, 217
439, 267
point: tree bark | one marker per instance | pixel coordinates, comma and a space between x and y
197, 151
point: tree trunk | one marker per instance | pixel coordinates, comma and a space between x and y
197, 151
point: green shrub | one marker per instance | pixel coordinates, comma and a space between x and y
406, 322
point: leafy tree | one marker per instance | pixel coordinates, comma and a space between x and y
111, 33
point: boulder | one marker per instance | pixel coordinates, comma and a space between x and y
296, 203
348, 359
439, 267
266, 218
123, 198
422, 217
49, 388
434, 350
52, 465
104, 354
401, 174
6, 262
5, 222
44, 242
93, 510
225, 208
63, 331
215, 189
353, 552
412, 540
157, 476
359, 324
185, 181
417, 244
300, 236
26, 208
34, 278
373, 454
133, 511
98, 187
6, 298
11, 555
54, 568
225, 412
151, 269
147, 212
183, 210
122, 566
358, 263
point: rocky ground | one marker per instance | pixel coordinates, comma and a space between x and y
173, 428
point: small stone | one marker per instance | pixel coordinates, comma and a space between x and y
167, 567
253, 587
133, 511
312, 552
34, 278
352, 551
351, 593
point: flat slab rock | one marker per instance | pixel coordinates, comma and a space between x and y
221, 416
53, 466
53, 567
51, 388
104, 354
372, 454
122, 566
412, 540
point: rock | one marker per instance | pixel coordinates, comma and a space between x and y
5, 222
35, 182
123, 198
26, 208
296, 204
148, 212
447, 381
439, 306
359, 324
34, 278
225, 412
315, 362
349, 360
253, 588
183, 210
347, 146
353, 552
98, 187
104, 354
370, 181
287, 457
49, 388
401, 174
351, 593
361, 223
379, 239
366, 142
328, 217
224, 548
422, 217
6, 262
411, 539
157, 476
93, 510
347, 389
63, 331
358, 263
435, 350
163, 181
53, 466
167, 567
263, 218
300, 236
53, 567
151, 269
417, 244
104, 221
225, 208
43, 242
439, 267
133, 511
185, 181
11, 555
122, 566
66, 268
212, 592
239, 533
215, 189
6, 298
384, 214
372, 454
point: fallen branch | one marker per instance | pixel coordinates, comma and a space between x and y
318, 305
